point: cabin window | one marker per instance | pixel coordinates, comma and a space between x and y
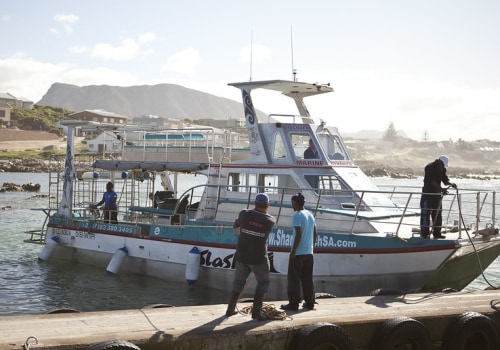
330, 185
265, 183
279, 147
300, 142
333, 147
242, 182
326, 184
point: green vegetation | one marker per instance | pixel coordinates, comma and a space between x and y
39, 118
391, 133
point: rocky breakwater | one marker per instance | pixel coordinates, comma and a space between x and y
26, 165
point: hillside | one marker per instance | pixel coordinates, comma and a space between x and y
164, 100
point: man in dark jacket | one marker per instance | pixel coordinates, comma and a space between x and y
432, 194
251, 254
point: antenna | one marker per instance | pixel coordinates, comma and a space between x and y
294, 71
251, 51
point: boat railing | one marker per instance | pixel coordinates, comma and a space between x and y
187, 144
462, 209
397, 210
469, 210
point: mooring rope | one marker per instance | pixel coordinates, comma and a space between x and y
268, 311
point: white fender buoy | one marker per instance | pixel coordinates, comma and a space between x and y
193, 266
47, 251
117, 260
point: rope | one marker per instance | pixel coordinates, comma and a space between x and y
27, 343
268, 311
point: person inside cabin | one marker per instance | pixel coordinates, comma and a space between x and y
432, 195
301, 260
110, 207
251, 254
311, 152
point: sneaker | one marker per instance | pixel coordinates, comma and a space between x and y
289, 307
308, 306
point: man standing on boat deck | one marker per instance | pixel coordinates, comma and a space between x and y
432, 195
251, 254
301, 261
110, 208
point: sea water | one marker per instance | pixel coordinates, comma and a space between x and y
31, 287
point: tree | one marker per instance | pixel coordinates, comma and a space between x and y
390, 134
426, 136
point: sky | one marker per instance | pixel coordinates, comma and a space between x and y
430, 67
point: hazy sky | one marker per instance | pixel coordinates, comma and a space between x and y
427, 66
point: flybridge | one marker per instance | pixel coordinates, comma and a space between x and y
288, 88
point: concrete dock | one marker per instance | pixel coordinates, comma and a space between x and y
206, 327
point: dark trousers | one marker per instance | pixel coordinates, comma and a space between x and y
111, 216
300, 274
242, 271
430, 215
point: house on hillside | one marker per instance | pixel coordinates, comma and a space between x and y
99, 116
96, 116
4, 114
7, 101
106, 141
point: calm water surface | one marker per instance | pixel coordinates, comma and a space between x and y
30, 287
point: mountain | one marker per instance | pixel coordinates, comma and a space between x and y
163, 100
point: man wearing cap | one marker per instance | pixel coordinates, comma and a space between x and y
301, 261
251, 254
430, 202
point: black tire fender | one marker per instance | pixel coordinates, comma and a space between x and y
61, 311
114, 345
321, 335
156, 306
470, 331
398, 331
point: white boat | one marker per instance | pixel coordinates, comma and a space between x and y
368, 238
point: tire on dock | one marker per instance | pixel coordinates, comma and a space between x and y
399, 331
321, 335
471, 330
62, 311
114, 345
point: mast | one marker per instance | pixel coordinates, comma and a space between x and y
66, 205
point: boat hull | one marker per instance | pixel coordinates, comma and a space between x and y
342, 273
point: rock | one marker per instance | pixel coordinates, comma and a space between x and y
27, 165
12, 187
